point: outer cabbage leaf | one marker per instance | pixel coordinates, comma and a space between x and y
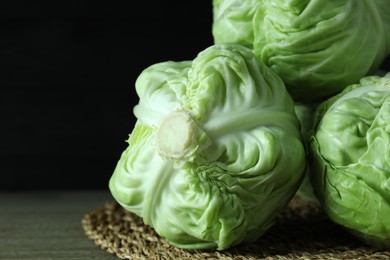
305, 112
216, 151
350, 149
316, 46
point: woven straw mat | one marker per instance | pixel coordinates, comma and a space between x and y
301, 231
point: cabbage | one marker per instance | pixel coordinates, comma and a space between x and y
304, 112
350, 159
317, 47
215, 153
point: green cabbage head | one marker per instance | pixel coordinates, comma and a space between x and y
215, 153
316, 46
350, 164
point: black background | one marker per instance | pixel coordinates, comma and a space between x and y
67, 74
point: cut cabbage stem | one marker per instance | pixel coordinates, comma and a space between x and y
177, 135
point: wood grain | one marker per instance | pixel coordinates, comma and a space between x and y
47, 225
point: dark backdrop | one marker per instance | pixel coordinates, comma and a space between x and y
67, 76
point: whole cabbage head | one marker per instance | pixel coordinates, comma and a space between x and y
316, 46
350, 164
215, 153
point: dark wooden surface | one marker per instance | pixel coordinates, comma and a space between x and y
67, 74
43, 225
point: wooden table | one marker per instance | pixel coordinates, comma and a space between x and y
47, 225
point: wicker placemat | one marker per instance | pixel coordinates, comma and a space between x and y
301, 232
